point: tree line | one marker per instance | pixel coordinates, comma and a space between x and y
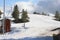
43, 13
24, 16
57, 15
16, 15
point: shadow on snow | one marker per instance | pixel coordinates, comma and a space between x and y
30, 38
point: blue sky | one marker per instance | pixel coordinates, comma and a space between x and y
38, 5
11, 2
1, 2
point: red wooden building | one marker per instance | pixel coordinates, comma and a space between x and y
7, 25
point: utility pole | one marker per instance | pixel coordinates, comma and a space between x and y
24, 25
3, 16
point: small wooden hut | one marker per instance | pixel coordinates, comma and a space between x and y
7, 25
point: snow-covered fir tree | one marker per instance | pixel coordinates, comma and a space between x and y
15, 13
24, 16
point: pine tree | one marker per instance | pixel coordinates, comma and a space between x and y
15, 13
43, 13
0, 14
24, 16
57, 14
34, 12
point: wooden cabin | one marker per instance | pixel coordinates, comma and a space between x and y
7, 25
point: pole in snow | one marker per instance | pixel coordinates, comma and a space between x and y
3, 16
24, 25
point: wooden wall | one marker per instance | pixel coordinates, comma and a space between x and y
7, 25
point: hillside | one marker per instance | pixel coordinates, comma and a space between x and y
39, 26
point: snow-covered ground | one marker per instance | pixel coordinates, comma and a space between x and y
39, 26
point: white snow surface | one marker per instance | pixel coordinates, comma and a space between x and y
39, 25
